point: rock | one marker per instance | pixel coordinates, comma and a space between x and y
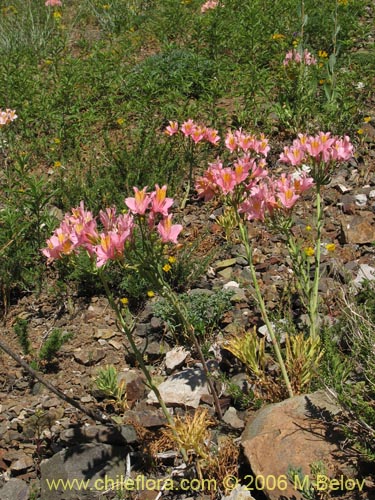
223, 264
104, 333
22, 464
239, 493
100, 434
231, 285
360, 200
286, 435
365, 272
135, 385
156, 350
15, 489
89, 357
175, 358
358, 229
93, 463
183, 389
231, 418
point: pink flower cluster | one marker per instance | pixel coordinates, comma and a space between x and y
320, 148
53, 3
297, 57
79, 229
196, 132
210, 4
7, 116
252, 190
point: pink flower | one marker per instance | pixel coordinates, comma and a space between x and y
138, 204
342, 149
293, 155
212, 136
159, 203
53, 3
226, 180
198, 133
231, 141
59, 244
188, 127
168, 231
7, 116
210, 4
172, 128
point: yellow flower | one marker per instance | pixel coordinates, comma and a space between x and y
166, 268
150, 293
322, 82
308, 228
57, 164
343, 2
124, 301
331, 247
106, 6
278, 36
367, 119
360, 131
57, 16
309, 251
295, 43
322, 54
48, 62
171, 259
56, 140
120, 121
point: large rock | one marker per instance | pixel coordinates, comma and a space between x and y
185, 388
287, 435
15, 489
87, 467
358, 229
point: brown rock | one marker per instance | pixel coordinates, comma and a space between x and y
284, 435
358, 229
89, 357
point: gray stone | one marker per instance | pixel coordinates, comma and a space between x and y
231, 418
89, 357
239, 493
15, 489
365, 272
175, 358
87, 462
183, 389
360, 200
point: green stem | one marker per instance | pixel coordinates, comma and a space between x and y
128, 332
314, 299
299, 267
262, 307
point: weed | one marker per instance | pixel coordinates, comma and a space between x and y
21, 330
204, 310
107, 381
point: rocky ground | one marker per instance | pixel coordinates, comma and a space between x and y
43, 437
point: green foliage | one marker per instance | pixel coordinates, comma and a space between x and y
21, 330
107, 381
204, 310
349, 367
55, 340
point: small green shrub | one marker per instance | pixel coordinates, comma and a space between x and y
204, 310
52, 345
21, 330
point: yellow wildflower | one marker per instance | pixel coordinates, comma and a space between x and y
166, 268
331, 247
322, 54
150, 293
367, 119
106, 6
48, 61
57, 164
56, 140
278, 36
120, 121
124, 301
308, 228
171, 259
57, 16
360, 131
309, 251
322, 82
